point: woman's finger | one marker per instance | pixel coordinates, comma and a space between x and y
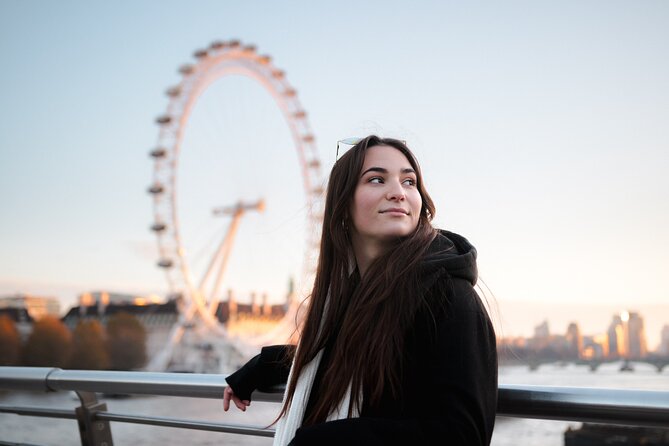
227, 394
239, 403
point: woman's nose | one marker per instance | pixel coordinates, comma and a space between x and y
395, 192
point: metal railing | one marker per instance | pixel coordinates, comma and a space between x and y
608, 406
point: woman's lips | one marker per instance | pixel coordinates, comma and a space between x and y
395, 211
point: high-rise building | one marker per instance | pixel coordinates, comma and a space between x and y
541, 331
664, 341
616, 338
636, 336
541, 336
574, 341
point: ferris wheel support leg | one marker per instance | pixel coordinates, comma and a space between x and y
230, 238
214, 260
162, 359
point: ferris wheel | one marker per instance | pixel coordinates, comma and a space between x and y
223, 59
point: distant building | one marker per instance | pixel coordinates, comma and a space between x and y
627, 336
603, 341
542, 331
574, 341
230, 311
104, 298
664, 341
541, 336
636, 340
594, 347
616, 338
37, 307
545, 346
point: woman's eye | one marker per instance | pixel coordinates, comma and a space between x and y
376, 180
410, 182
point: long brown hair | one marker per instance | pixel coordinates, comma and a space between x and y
366, 317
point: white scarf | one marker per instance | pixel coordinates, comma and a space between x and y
292, 419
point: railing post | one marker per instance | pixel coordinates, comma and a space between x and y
92, 432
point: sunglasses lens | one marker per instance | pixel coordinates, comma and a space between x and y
345, 145
350, 141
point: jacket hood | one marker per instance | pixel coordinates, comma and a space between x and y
452, 254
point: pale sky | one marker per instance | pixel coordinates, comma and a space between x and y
541, 129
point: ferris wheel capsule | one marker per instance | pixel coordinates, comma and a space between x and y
186, 69
165, 263
173, 91
158, 152
156, 189
158, 227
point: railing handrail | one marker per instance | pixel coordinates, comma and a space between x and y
617, 406
51, 379
587, 404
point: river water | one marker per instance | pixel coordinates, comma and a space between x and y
508, 431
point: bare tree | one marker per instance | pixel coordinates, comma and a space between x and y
49, 344
10, 342
89, 351
126, 342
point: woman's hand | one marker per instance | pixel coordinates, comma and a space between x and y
229, 394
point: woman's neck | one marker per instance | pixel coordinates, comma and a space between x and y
366, 253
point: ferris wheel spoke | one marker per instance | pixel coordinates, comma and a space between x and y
230, 238
221, 253
220, 259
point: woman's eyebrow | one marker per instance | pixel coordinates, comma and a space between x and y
375, 169
383, 170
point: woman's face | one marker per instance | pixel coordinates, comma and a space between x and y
386, 203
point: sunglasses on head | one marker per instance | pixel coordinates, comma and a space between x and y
350, 142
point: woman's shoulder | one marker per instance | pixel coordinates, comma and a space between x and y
450, 274
449, 255
454, 294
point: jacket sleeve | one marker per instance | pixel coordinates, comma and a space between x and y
461, 404
270, 368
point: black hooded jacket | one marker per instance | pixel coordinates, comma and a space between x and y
449, 384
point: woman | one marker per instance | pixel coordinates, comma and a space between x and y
396, 346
